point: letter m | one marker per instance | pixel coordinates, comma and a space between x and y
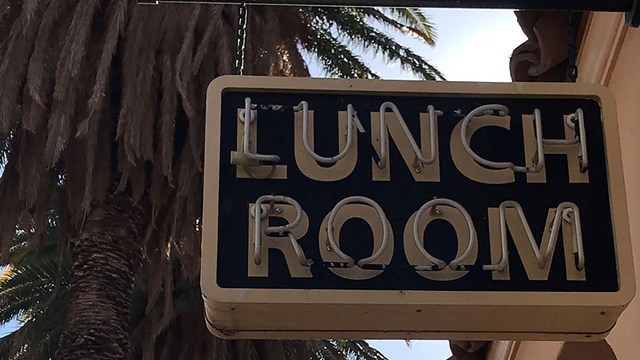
509, 219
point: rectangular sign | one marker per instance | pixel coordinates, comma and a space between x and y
395, 204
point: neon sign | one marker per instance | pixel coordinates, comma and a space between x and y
372, 198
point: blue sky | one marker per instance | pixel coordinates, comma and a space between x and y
472, 45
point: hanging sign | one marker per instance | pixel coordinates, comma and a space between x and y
406, 209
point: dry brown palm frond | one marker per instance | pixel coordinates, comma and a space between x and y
74, 181
168, 107
99, 91
67, 80
265, 29
101, 96
10, 205
13, 67
190, 97
103, 90
212, 24
139, 86
224, 41
292, 62
116, 20
5, 7
184, 62
30, 167
98, 164
40, 74
30, 7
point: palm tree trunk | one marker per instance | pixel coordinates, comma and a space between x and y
106, 256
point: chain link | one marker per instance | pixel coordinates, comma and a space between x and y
241, 39
573, 51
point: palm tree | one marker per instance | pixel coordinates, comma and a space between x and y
102, 103
34, 288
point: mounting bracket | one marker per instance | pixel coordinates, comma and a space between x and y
633, 15
630, 7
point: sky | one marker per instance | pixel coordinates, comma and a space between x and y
472, 45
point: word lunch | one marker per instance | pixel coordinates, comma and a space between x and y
388, 125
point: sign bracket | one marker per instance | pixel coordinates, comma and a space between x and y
630, 7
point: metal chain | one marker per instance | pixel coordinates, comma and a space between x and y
573, 52
241, 39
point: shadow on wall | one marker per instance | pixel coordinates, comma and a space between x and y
544, 56
587, 350
468, 350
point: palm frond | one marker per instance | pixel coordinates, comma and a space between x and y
26, 287
5, 147
37, 338
361, 350
349, 350
34, 289
335, 58
350, 23
414, 18
7, 271
424, 31
327, 350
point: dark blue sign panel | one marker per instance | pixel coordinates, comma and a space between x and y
478, 190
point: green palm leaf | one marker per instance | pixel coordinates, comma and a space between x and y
335, 58
34, 289
422, 31
351, 23
416, 19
